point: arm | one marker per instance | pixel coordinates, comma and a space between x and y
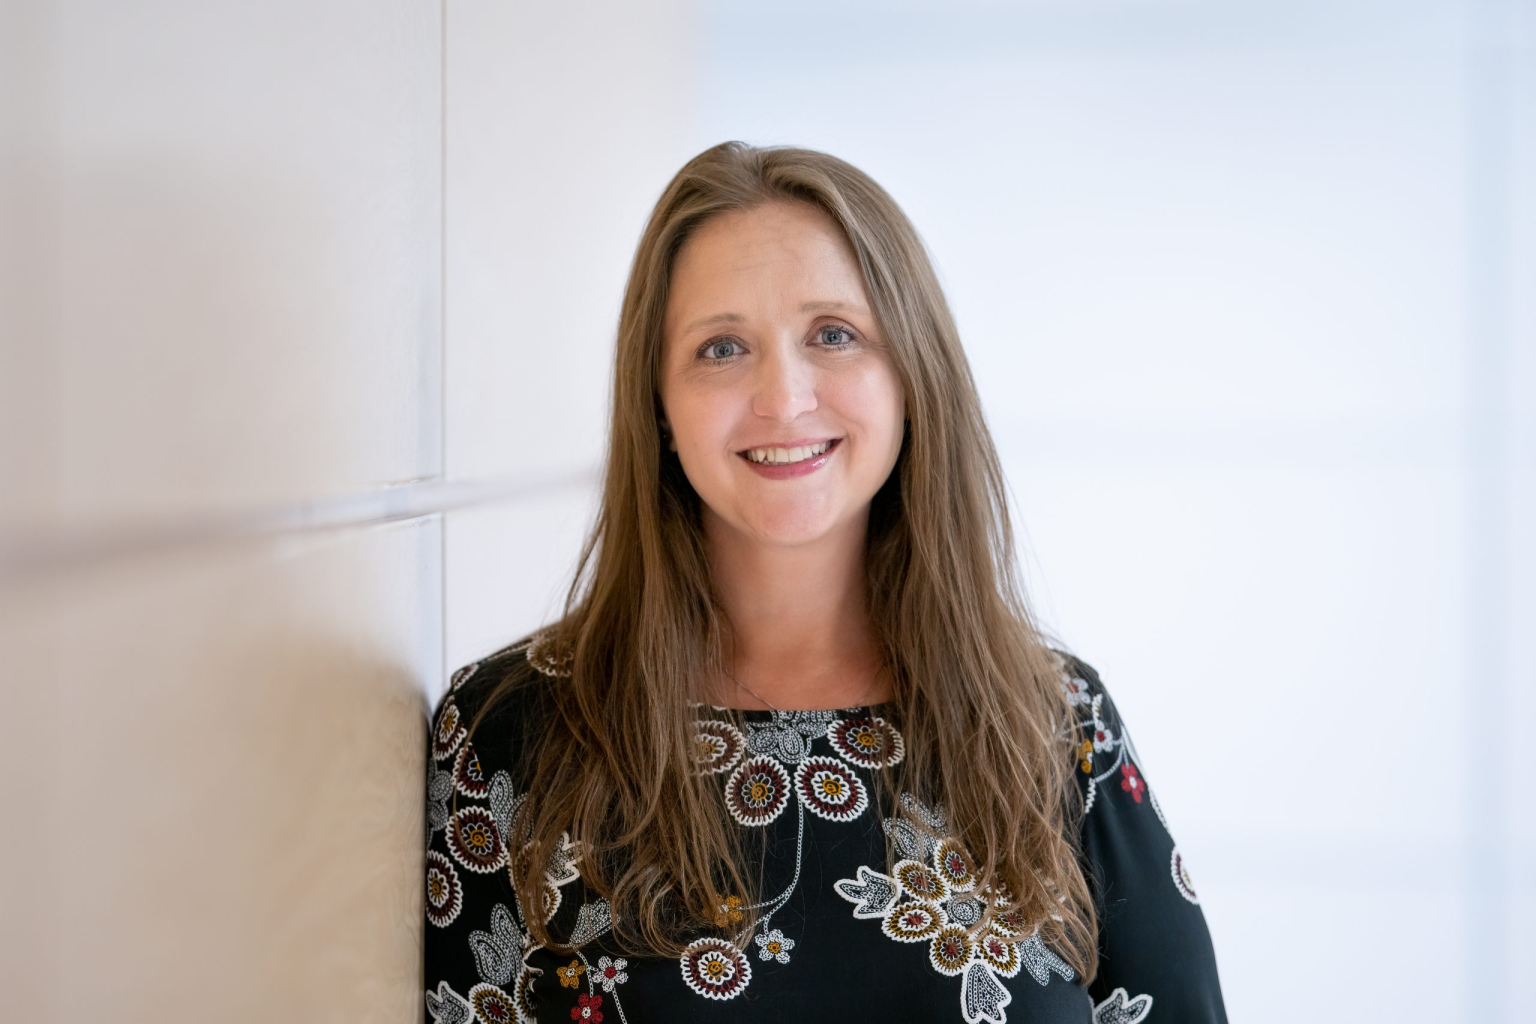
1156, 961
475, 938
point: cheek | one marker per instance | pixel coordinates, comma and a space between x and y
871, 398
701, 421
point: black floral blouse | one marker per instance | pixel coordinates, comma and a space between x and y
837, 938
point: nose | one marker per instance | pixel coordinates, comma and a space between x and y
784, 385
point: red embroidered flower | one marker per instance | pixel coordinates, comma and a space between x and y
586, 1008
1131, 782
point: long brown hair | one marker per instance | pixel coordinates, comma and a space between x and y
976, 690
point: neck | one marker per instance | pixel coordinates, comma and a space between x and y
799, 619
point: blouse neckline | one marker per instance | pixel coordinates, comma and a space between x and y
766, 714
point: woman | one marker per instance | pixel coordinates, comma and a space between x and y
796, 748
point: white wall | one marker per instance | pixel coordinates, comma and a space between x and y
565, 121
1248, 289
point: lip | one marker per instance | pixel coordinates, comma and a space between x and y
788, 471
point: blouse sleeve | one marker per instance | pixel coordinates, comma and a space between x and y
1156, 962
475, 939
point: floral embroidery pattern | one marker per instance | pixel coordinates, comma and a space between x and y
445, 1006
570, 974
772, 945
951, 950
787, 735
729, 913
923, 882
525, 1008
611, 973
914, 922
867, 742
445, 894
450, 729
1001, 954
872, 893
586, 1008
1181, 879
1077, 689
830, 789
468, 777
498, 952
757, 791
1085, 755
1121, 1008
473, 840
463, 675
546, 656
717, 746
1101, 739
1131, 782
491, 1004
559, 871
931, 898
715, 969
592, 920
439, 789
954, 866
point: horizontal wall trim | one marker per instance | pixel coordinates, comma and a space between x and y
29, 556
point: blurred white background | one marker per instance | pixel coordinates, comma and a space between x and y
307, 314
1248, 289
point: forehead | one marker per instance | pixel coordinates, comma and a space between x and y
757, 258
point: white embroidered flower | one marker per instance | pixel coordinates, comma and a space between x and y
1076, 690
610, 972
772, 945
1103, 737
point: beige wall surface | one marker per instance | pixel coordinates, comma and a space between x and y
284, 292
221, 248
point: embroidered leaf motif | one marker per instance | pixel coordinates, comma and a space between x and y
439, 789
562, 862
1039, 961
787, 735
592, 920
498, 950
1121, 1009
505, 802
909, 842
873, 892
930, 816
982, 996
448, 1007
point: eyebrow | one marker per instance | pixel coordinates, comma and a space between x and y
815, 306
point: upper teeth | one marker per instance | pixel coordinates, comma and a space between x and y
788, 454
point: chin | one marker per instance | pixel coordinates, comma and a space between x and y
791, 527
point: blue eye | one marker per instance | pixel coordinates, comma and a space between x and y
834, 329
722, 349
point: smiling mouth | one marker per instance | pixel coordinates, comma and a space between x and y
788, 456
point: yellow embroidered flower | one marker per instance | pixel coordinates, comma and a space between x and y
570, 974
730, 912
1085, 751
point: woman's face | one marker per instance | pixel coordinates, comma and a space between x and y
783, 403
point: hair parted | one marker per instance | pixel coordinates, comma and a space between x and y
976, 690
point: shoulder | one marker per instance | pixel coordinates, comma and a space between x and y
1100, 745
497, 706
